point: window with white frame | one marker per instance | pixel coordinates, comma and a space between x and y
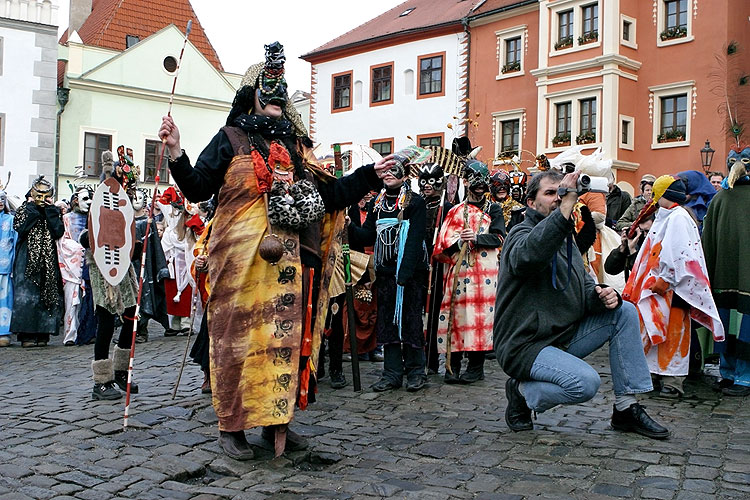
509, 127
94, 144
627, 32
627, 129
574, 116
671, 114
674, 22
575, 25
511, 44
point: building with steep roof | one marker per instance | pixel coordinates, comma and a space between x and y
399, 79
116, 73
28, 54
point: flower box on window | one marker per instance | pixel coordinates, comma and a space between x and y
564, 43
674, 135
586, 138
561, 140
511, 66
673, 32
589, 37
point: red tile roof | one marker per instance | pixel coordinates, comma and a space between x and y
111, 21
493, 6
427, 15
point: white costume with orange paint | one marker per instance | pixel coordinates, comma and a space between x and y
672, 257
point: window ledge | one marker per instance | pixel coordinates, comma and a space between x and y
667, 145
673, 41
510, 74
559, 149
575, 48
626, 43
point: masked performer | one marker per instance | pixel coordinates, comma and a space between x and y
468, 244
260, 362
177, 243
72, 264
518, 181
153, 297
431, 186
8, 238
37, 284
112, 301
726, 238
395, 225
500, 189
669, 286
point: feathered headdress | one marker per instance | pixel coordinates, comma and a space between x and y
731, 83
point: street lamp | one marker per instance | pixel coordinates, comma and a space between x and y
707, 156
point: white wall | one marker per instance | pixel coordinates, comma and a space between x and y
407, 116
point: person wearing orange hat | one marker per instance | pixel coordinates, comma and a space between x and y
669, 286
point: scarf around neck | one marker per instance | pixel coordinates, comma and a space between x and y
270, 128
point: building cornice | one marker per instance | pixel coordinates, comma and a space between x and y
509, 11
153, 95
383, 41
594, 62
44, 29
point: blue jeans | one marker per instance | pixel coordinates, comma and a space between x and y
735, 369
562, 377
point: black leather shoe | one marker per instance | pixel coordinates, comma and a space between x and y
517, 414
472, 374
235, 445
121, 379
294, 442
383, 385
635, 419
451, 378
416, 382
105, 391
337, 379
736, 391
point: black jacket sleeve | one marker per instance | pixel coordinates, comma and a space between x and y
413, 250
495, 234
364, 235
348, 190
54, 221
202, 181
615, 263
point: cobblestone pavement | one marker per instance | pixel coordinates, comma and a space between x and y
446, 441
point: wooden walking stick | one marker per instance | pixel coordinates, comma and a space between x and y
149, 221
193, 309
356, 382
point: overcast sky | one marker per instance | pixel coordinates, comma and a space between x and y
238, 32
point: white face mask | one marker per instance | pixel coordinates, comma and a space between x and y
139, 202
84, 202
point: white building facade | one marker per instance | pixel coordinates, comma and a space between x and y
28, 101
392, 96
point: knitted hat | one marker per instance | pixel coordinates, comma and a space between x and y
670, 188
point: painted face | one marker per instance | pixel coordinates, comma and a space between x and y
84, 200
431, 180
743, 156
477, 176
500, 184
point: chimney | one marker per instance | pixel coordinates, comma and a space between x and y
79, 12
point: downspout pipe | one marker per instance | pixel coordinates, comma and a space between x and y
63, 95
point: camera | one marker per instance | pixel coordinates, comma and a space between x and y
590, 184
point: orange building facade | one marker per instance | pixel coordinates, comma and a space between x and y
644, 80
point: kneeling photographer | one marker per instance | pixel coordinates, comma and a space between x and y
549, 314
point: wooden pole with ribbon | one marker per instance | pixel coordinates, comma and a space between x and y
149, 221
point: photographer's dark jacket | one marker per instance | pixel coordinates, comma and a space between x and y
530, 314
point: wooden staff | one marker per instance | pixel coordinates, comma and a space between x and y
430, 284
356, 383
149, 221
193, 309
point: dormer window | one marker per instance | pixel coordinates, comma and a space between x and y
131, 40
407, 12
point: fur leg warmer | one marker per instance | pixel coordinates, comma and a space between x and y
121, 359
102, 371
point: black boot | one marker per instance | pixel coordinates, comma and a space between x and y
635, 419
235, 445
337, 379
475, 369
121, 379
294, 442
455, 364
517, 413
104, 385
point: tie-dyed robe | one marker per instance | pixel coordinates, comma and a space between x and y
672, 252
